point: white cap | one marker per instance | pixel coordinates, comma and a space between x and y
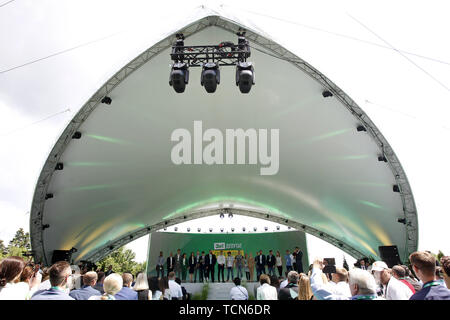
379, 266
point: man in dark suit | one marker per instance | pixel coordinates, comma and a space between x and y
260, 261
271, 260
298, 260
177, 268
210, 265
170, 263
202, 266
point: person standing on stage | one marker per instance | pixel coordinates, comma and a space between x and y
230, 265
239, 264
289, 260
298, 260
270, 260
210, 265
178, 258
192, 265
184, 266
279, 263
197, 266
160, 265
170, 263
260, 261
202, 267
246, 268
251, 266
221, 266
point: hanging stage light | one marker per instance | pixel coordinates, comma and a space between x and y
245, 76
265, 228
222, 215
278, 228
199, 229
176, 228
221, 229
232, 229
210, 77
230, 215
179, 76
254, 229
243, 229
210, 229
188, 229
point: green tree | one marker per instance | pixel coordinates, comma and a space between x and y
122, 260
3, 250
19, 244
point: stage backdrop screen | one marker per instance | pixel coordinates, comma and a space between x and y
191, 242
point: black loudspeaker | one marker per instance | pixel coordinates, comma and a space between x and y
61, 255
389, 254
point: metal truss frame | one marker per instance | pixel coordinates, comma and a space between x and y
37, 216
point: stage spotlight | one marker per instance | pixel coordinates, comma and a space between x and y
232, 229
254, 229
76, 135
106, 100
278, 228
59, 166
396, 188
243, 229
45, 226
165, 229
230, 215
321, 234
179, 76
131, 237
222, 215
245, 76
188, 229
327, 94
48, 196
289, 228
176, 228
210, 229
341, 245
382, 158
361, 128
111, 248
73, 250
199, 229
221, 229
402, 220
265, 228
210, 77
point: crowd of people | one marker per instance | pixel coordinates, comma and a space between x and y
202, 266
428, 279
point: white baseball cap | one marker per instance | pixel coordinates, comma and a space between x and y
379, 266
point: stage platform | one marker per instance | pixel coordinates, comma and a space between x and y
219, 290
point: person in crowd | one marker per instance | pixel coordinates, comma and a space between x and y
186, 295
246, 268
399, 273
126, 293
284, 282
160, 265
210, 264
230, 266
290, 291
238, 292
412, 279
184, 266
197, 267
177, 266
289, 258
76, 278
221, 266
439, 277
299, 260
87, 290
270, 261
11, 288
238, 262
304, 288
175, 289
362, 264
165, 289
393, 288
112, 285
192, 264
260, 261
28, 280
279, 263
339, 282
45, 281
424, 266
266, 291
60, 277
251, 266
445, 263
142, 288
362, 285
275, 282
170, 263
109, 271
99, 285
153, 287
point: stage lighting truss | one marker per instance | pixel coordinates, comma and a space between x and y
210, 58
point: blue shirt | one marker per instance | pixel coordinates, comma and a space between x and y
84, 293
428, 292
51, 294
288, 260
126, 294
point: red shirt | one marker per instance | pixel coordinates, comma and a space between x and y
409, 285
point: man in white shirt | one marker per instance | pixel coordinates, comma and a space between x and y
221, 264
393, 288
175, 288
230, 266
266, 291
238, 292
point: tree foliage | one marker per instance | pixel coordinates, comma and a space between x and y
18, 246
122, 260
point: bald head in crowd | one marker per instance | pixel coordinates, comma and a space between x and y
90, 278
398, 272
